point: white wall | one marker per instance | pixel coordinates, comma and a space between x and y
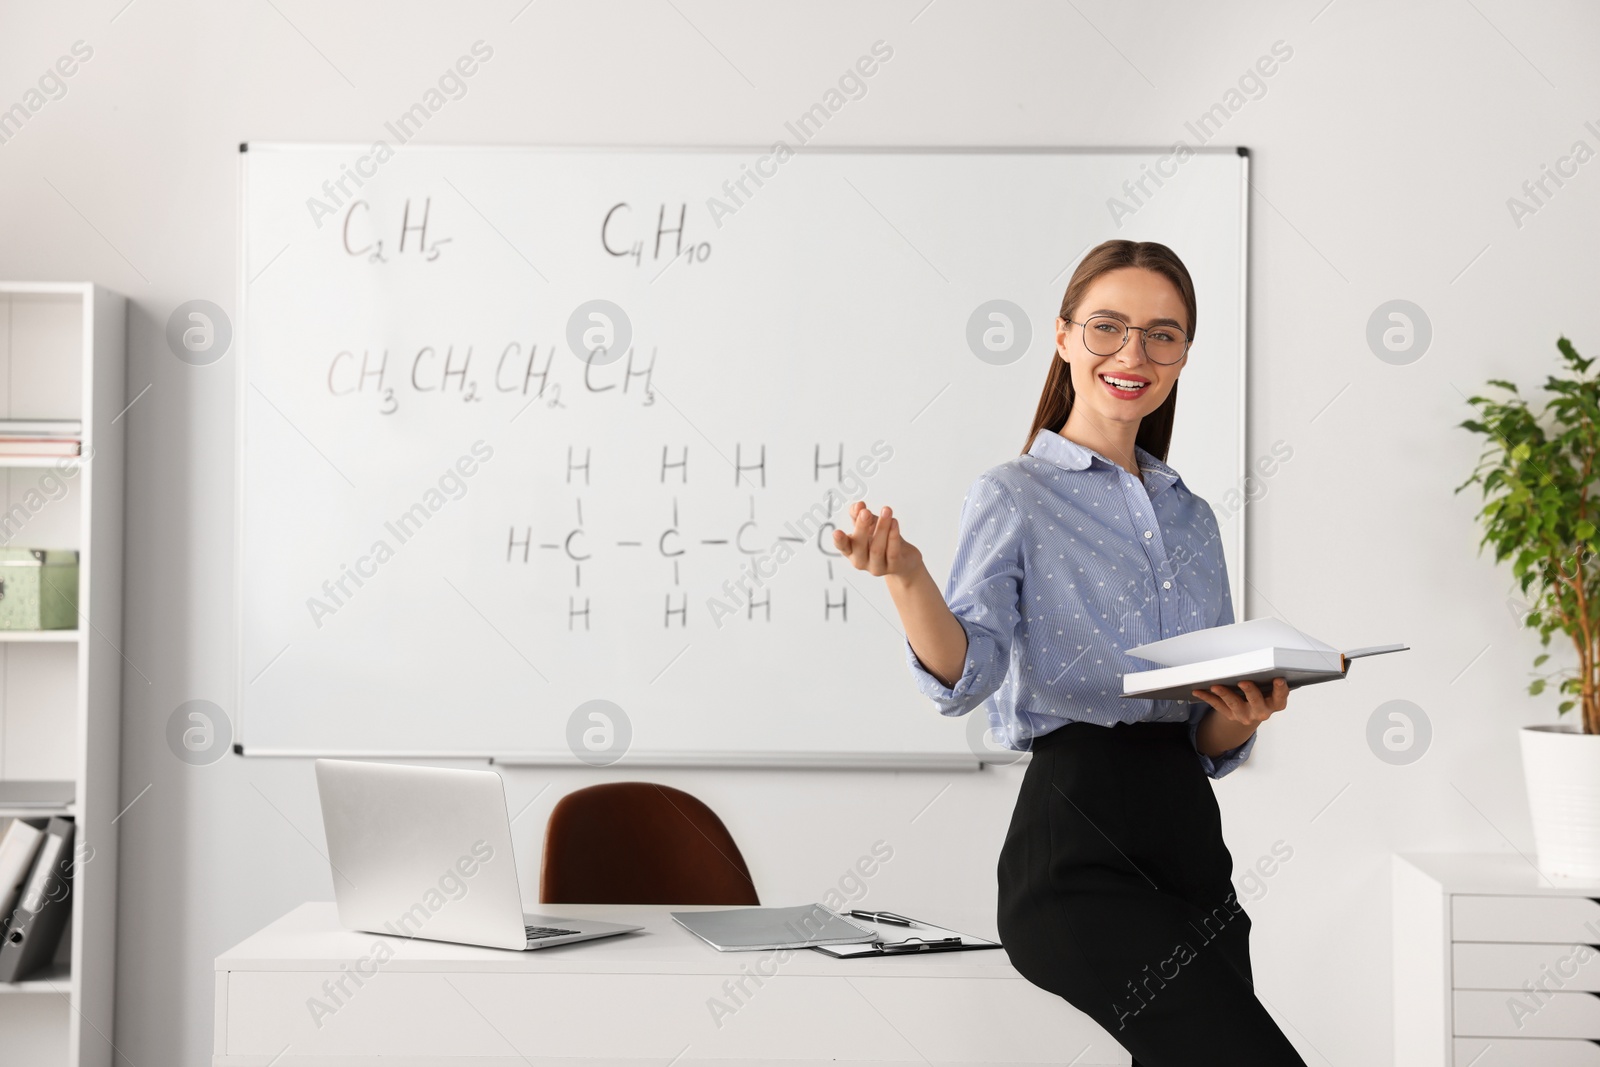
1385, 149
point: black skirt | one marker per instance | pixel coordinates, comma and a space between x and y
1116, 894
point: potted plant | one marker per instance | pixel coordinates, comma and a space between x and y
1540, 474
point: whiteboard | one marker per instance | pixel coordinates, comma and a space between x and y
514, 422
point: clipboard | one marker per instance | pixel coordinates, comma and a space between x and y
895, 940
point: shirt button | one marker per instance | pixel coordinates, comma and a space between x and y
1147, 533
1166, 585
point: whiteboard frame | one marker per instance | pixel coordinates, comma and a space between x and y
829, 761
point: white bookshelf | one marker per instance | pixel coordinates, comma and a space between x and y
62, 355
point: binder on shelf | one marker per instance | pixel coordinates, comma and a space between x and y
19, 847
41, 914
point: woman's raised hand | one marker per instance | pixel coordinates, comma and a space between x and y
874, 544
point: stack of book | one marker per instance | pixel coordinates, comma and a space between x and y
36, 863
40, 437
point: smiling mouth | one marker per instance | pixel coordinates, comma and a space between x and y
1124, 387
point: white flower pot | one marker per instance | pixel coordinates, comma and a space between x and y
1562, 767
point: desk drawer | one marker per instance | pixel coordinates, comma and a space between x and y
1515, 1013
1504, 965
1526, 1052
1562, 920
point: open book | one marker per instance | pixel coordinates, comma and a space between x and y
1258, 650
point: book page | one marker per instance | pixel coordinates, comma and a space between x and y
1218, 641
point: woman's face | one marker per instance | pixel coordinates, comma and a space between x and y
1135, 297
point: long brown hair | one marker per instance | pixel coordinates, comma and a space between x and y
1055, 403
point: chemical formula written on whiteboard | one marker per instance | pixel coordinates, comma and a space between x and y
368, 237
381, 240
620, 227
751, 549
464, 373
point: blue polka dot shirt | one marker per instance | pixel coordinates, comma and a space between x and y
1065, 560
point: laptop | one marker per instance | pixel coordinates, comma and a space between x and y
425, 852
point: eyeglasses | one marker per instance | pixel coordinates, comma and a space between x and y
1106, 336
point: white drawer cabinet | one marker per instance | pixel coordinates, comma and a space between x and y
1496, 964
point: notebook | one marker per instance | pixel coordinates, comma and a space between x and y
747, 929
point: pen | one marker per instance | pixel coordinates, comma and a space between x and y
914, 945
881, 917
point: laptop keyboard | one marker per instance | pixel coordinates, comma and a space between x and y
539, 933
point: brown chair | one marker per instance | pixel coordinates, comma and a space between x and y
640, 843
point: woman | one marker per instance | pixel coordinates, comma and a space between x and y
1115, 887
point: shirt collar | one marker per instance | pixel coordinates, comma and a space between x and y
1069, 455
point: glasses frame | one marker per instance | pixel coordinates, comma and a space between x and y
1127, 331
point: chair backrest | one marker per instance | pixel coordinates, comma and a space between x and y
640, 843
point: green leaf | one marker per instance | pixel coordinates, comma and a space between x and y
1566, 706
1539, 660
1536, 687
1572, 354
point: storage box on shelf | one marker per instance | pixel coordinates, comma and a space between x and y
38, 589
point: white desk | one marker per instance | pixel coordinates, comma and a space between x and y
628, 1001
